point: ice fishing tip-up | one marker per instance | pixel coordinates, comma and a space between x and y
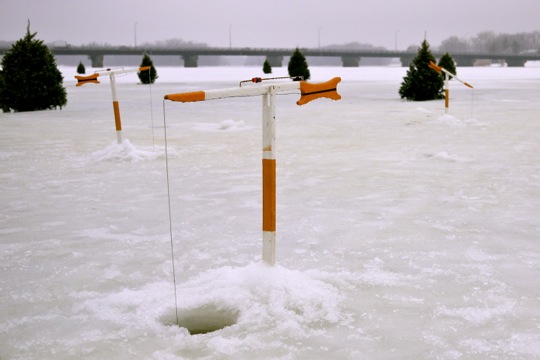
308, 92
81, 80
447, 75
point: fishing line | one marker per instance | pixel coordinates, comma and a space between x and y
170, 215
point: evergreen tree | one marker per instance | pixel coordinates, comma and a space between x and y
421, 82
448, 63
4, 107
298, 66
267, 69
31, 79
148, 76
80, 68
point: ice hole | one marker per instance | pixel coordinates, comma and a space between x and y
204, 319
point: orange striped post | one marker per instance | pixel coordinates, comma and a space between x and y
447, 75
269, 177
308, 93
81, 80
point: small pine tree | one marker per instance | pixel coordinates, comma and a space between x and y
448, 63
298, 65
148, 77
80, 68
267, 69
31, 79
421, 82
4, 107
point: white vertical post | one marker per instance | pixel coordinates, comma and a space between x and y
308, 93
447, 75
269, 177
116, 109
81, 80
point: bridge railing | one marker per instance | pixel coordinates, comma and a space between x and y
350, 57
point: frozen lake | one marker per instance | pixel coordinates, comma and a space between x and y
402, 232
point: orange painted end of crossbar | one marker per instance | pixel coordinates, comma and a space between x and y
144, 68
269, 194
81, 80
187, 97
435, 67
310, 92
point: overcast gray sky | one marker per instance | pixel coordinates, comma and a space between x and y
265, 23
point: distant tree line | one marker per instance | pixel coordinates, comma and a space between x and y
489, 42
167, 44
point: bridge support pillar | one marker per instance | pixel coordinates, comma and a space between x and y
406, 60
275, 60
464, 61
350, 61
190, 60
97, 60
515, 62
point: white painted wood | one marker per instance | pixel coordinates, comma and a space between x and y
269, 247
268, 148
255, 90
269, 124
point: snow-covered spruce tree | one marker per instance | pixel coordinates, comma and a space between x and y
421, 82
32, 80
448, 63
267, 69
298, 65
80, 68
148, 77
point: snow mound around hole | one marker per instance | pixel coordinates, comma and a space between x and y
125, 151
447, 119
258, 296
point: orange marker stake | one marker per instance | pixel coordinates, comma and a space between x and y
309, 92
447, 75
81, 80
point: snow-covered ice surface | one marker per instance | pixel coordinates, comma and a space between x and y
403, 232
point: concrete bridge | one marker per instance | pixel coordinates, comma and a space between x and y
349, 58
